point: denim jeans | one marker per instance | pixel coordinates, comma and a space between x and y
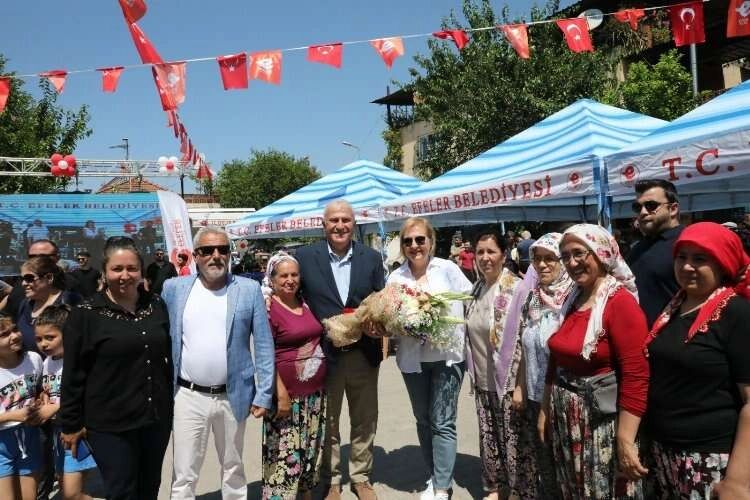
434, 399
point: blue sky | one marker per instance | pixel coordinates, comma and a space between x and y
315, 108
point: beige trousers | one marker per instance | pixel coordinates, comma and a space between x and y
354, 376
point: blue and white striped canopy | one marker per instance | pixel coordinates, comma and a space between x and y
545, 172
364, 184
705, 153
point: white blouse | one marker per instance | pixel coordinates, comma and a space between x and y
442, 276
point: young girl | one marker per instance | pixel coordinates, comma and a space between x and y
71, 469
20, 375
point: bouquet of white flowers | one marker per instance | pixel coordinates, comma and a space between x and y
401, 310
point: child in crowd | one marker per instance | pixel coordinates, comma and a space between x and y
20, 375
71, 470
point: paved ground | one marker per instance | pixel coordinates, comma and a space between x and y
399, 471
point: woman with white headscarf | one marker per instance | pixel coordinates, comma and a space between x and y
293, 435
540, 318
598, 374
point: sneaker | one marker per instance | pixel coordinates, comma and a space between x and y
429, 492
442, 495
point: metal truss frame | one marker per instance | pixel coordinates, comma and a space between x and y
40, 167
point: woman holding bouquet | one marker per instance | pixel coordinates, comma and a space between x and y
598, 374
293, 436
432, 376
493, 359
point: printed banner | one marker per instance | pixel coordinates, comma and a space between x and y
569, 182
177, 232
712, 159
287, 223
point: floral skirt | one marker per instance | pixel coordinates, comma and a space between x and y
684, 475
291, 448
514, 462
584, 451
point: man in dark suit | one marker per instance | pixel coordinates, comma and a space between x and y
337, 274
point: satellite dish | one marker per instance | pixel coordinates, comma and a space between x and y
594, 17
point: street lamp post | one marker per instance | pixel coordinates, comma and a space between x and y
125, 145
353, 146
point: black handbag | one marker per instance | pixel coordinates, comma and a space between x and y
599, 392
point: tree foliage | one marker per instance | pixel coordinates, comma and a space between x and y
486, 93
263, 179
663, 90
31, 128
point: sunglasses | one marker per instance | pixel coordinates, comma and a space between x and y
419, 240
650, 206
29, 278
208, 250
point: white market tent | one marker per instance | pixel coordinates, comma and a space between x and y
364, 184
705, 153
547, 172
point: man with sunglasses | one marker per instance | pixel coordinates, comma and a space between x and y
657, 212
212, 317
336, 275
159, 271
87, 277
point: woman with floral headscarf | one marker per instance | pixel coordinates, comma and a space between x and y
293, 436
493, 358
540, 318
699, 353
598, 375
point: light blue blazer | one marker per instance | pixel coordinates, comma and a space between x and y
247, 383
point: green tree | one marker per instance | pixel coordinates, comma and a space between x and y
31, 128
663, 90
263, 179
486, 93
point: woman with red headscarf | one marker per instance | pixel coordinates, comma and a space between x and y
699, 355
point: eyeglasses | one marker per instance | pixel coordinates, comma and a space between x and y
208, 250
547, 259
82, 258
419, 240
650, 205
29, 278
578, 256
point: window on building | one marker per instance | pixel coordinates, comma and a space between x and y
423, 146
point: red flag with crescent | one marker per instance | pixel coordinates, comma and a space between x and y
576, 32
143, 45
389, 49
459, 37
233, 71
330, 54
738, 21
170, 81
56, 78
4, 92
266, 66
110, 77
133, 10
518, 36
630, 16
687, 23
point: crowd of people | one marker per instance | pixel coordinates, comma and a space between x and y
593, 377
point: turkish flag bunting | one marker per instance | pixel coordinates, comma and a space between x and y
687, 23
233, 71
191, 150
576, 32
170, 80
518, 36
389, 49
738, 21
326, 54
173, 121
195, 156
631, 16
56, 78
143, 45
266, 66
204, 172
133, 10
4, 92
110, 77
459, 37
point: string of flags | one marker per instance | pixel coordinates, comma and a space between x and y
236, 70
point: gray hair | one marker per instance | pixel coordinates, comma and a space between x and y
340, 203
208, 230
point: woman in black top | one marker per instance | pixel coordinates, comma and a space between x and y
117, 378
699, 355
